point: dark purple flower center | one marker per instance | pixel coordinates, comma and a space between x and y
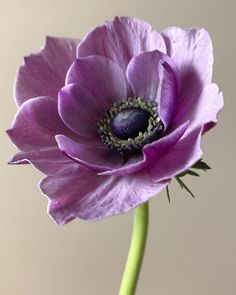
130, 122
129, 125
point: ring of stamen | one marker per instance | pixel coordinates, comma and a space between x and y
130, 145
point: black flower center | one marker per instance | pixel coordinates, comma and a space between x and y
129, 122
129, 125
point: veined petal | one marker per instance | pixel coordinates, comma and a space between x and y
92, 155
132, 165
50, 161
33, 132
152, 153
84, 194
79, 110
103, 78
36, 124
203, 111
153, 76
181, 157
191, 51
121, 39
43, 74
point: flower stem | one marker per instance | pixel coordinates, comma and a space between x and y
136, 251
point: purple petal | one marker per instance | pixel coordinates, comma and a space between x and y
154, 152
121, 39
36, 124
98, 157
132, 165
92, 155
153, 76
79, 110
203, 110
191, 51
100, 76
33, 132
50, 161
181, 157
84, 194
43, 74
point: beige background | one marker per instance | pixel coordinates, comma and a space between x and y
192, 243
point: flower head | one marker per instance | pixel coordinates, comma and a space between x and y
112, 118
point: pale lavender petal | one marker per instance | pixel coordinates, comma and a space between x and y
43, 74
132, 165
79, 110
33, 132
182, 156
54, 167
191, 50
156, 151
203, 110
50, 161
154, 77
103, 78
121, 39
36, 124
48, 153
93, 155
84, 194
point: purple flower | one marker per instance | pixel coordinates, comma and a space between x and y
113, 118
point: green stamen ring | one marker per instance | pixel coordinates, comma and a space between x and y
132, 140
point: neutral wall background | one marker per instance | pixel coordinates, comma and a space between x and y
191, 245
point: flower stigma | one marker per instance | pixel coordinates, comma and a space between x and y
129, 125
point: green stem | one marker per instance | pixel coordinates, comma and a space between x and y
136, 251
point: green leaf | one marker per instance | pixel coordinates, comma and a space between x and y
201, 165
182, 174
184, 186
193, 173
168, 193
180, 182
190, 172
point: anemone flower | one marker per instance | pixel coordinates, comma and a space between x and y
111, 119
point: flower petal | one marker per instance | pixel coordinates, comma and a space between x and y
93, 155
191, 51
181, 157
203, 110
154, 152
153, 76
33, 132
151, 153
79, 110
97, 157
121, 39
50, 161
43, 74
100, 76
132, 165
36, 124
84, 194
